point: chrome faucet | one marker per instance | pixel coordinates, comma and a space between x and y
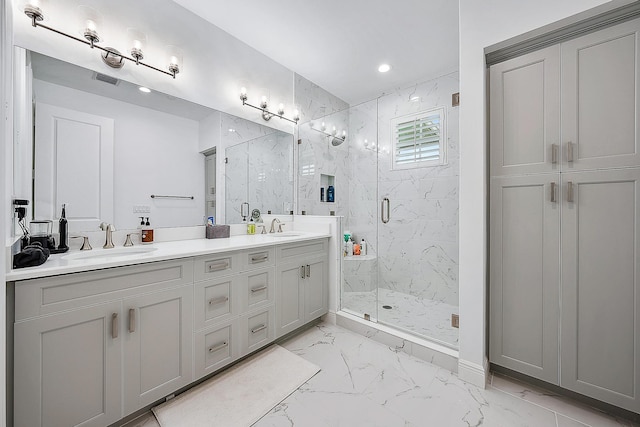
109, 229
273, 222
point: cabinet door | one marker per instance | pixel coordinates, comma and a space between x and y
289, 297
316, 299
157, 345
525, 119
67, 368
524, 274
600, 84
600, 288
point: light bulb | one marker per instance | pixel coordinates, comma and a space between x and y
91, 26
281, 109
366, 143
333, 131
296, 115
263, 102
243, 93
344, 133
323, 127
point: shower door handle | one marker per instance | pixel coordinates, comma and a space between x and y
384, 214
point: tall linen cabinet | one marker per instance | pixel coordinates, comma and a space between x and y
564, 213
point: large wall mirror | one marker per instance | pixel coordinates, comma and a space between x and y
103, 146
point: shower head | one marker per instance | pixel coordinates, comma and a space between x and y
335, 141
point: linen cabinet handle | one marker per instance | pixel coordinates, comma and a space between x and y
553, 192
570, 152
132, 320
308, 270
554, 153
114, 325
302, 271
570, 192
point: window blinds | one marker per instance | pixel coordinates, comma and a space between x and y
418, 139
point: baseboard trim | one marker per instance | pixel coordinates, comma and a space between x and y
473, 373
330, 318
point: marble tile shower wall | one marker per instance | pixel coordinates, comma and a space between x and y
319, 162
418, 248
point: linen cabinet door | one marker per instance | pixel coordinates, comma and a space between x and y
67, 368
525, 274
157, 341
525, 114
600, 86
600, 290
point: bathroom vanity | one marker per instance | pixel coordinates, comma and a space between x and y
100, 337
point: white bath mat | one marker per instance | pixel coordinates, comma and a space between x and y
241, 395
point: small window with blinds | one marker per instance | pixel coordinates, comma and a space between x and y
419, 139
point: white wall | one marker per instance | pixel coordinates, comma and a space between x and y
484, 23
154, 153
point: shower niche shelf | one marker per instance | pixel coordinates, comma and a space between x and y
325, 182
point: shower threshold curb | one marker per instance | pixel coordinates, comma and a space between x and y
426, 350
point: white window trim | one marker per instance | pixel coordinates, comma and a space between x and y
442, 159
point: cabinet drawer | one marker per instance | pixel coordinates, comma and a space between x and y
259, 258
217, 265
257, 329
301, 250
258, 289
54, 294
215, 347
215, 300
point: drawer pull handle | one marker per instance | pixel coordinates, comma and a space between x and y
114, 325
218, 266
553, 192
259, 328
218, 347
261, 288
259, 258
302, 271
132, 320
308, 270
570, 152
216, 301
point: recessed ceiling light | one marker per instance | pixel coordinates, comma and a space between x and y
383, 68
231, 130
144, 89
415, 98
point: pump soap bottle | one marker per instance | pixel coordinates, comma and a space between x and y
62, 230
147, 233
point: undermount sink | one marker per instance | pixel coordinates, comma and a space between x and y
108, 253
285, 234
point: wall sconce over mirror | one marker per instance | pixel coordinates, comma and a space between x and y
92, 20
264, 107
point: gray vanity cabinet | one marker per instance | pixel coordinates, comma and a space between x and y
564, 222
67, 368
301, 291
157, 345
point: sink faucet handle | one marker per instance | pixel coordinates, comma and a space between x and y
264, 228
85, 243
129, 242
280, 228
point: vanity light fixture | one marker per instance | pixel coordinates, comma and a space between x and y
333, 135
90, 37
264, 107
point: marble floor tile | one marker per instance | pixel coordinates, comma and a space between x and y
568, 422
145, 420
560, 404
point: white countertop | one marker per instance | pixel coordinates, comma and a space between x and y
58, 264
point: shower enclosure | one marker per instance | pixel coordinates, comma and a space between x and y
405, 210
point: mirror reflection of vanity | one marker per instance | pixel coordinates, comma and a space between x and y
103, 147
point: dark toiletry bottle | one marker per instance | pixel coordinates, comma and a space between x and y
322, 194
330, 194
62, 230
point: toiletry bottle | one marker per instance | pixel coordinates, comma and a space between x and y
330, 194
350, 247
62, 230
251, 227
322, 194
363, 248
147, 233
356, 249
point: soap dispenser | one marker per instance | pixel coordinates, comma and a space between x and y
147, 233
62, 231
